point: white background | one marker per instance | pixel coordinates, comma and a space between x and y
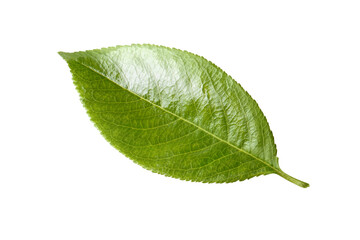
59, 179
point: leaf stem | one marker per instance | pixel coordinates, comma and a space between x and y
293, 180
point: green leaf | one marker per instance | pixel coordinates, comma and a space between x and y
175, 113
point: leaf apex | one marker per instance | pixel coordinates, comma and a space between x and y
64, 55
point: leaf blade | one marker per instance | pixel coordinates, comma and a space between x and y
187, 92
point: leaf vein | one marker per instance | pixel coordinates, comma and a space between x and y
185, 120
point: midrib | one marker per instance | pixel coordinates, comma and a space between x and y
185, 120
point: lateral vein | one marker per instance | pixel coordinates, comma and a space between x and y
183, 119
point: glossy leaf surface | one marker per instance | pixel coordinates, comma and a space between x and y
175, 113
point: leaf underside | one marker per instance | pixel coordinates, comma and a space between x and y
175, 113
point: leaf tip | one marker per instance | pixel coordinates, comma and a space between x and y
64, 55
